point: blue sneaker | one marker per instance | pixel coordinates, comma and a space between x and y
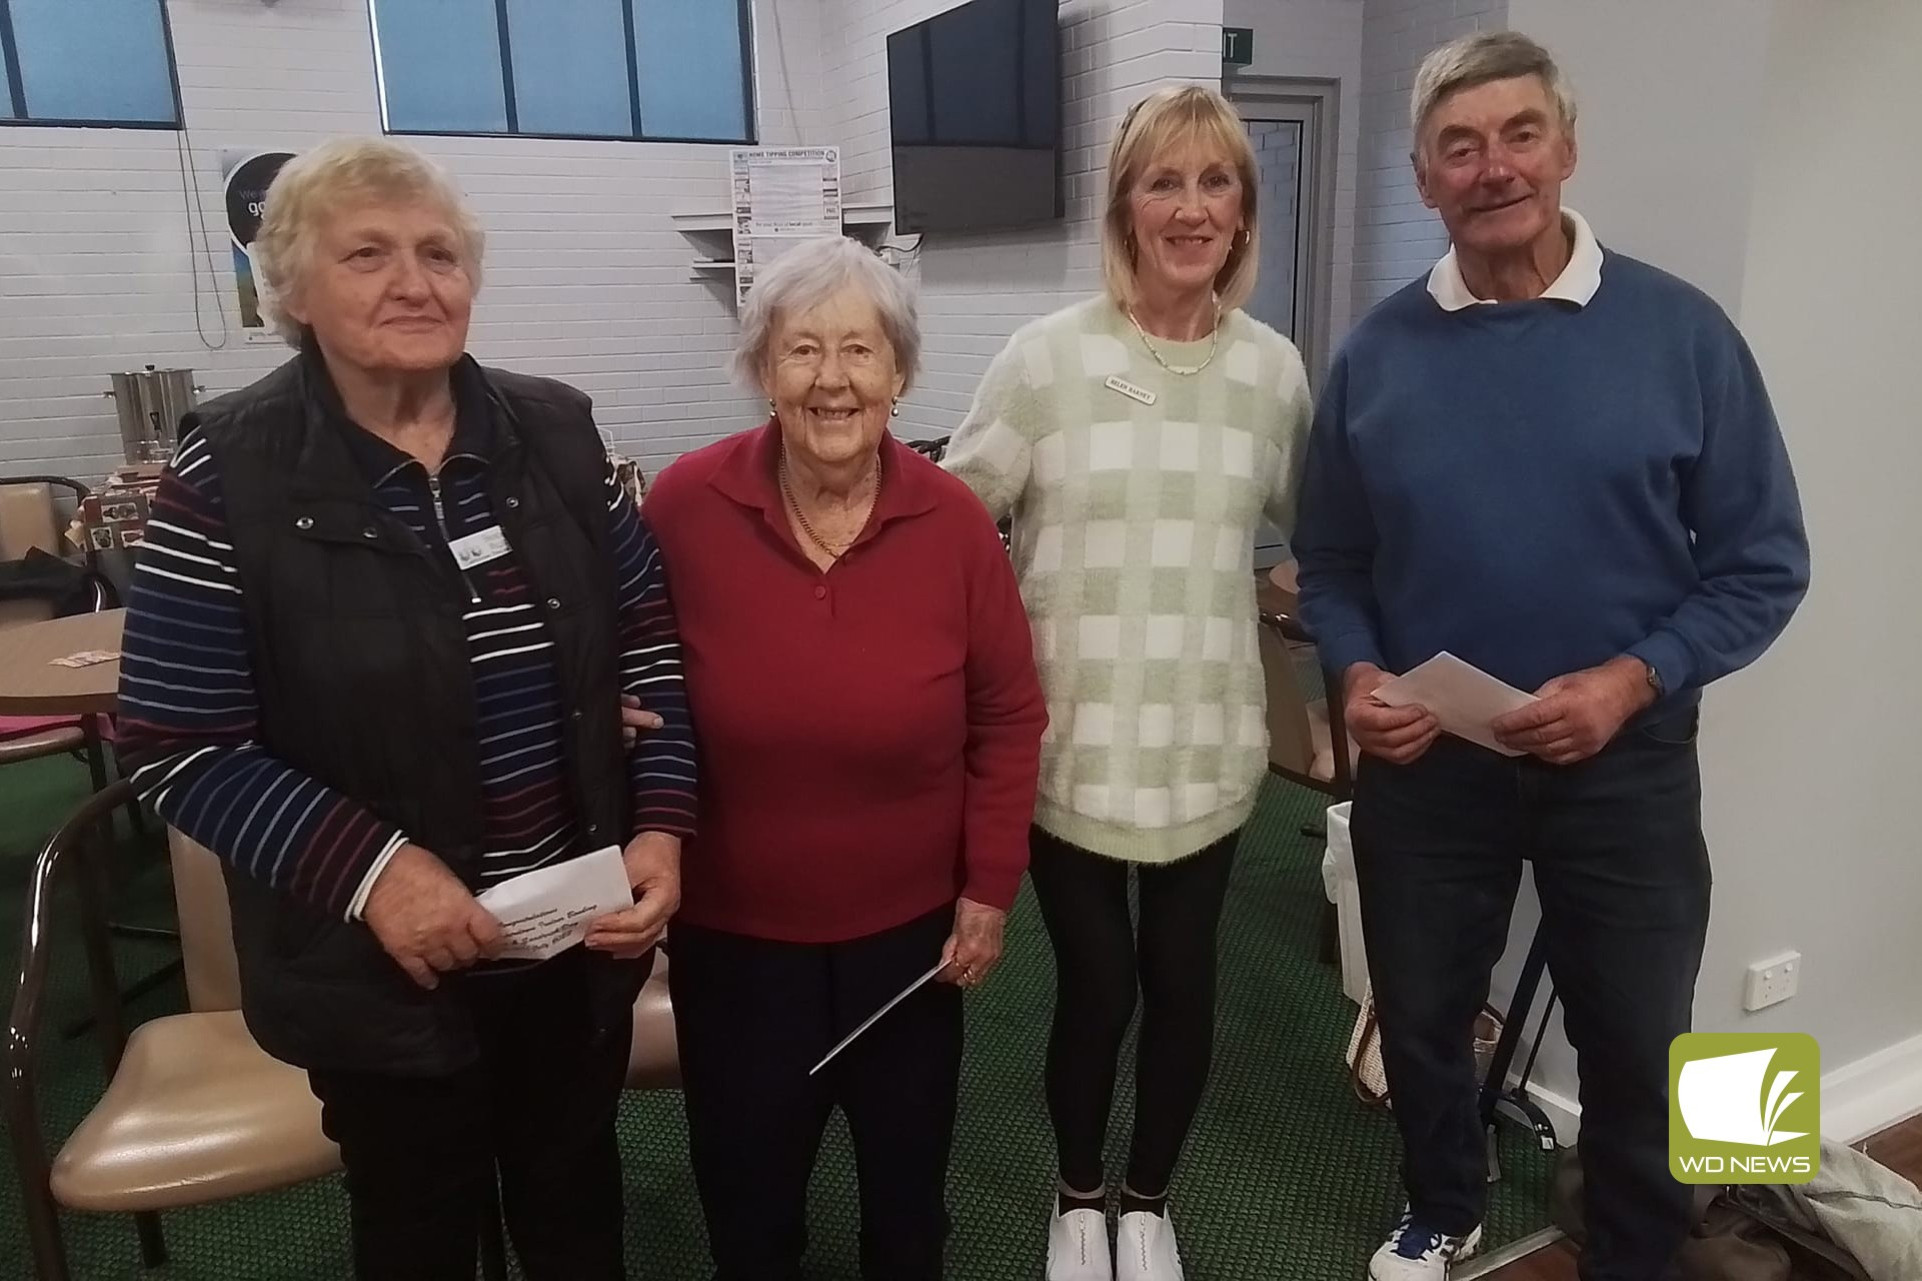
1414, 1252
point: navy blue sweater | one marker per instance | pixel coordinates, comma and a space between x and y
1539, 487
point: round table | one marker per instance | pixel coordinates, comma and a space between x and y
30, 683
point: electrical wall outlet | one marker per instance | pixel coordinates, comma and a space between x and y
1772, 981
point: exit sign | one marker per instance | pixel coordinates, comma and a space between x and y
1238, 46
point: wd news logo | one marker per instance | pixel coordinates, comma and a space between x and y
1744, 1107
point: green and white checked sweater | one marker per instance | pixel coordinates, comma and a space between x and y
1133, 539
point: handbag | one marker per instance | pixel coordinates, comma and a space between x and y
1369, 1077
1365, 1071
1734, 1235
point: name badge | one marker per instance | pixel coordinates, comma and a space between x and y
478, 549
1128, 389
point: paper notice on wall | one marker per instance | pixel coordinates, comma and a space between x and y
786, 191
782, 195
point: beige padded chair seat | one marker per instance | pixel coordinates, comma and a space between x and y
1323, 737
654, 1059
197, 1113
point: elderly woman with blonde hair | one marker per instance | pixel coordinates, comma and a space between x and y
386, 607
1137, 439
860, 668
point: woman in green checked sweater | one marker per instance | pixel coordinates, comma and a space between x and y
1138, 439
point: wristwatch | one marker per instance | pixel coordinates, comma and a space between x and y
1654, 680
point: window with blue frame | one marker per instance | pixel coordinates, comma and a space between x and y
648, 70
87, 62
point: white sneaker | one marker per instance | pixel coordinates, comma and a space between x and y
1078, 1247
1144, 1248
1414, 1253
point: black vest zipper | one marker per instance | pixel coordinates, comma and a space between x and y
440, 519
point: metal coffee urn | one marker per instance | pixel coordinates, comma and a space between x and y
150, 404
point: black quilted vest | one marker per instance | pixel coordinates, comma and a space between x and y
361, 667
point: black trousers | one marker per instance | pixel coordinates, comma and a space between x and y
753, 1016
1101, 957
1622, 873
423, 1154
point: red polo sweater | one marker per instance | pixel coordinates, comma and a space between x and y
870, 737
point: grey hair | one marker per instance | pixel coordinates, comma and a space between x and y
808, 275
1479, 59
316, 184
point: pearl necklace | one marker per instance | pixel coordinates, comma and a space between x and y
1214, 341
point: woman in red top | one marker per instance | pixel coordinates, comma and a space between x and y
864, 693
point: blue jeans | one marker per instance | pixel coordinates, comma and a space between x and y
1622, 873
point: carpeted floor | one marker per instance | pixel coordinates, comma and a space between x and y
1287, 1176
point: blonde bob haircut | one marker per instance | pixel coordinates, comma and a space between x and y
318, 184
1167, 119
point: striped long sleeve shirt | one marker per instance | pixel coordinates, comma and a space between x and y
188, 727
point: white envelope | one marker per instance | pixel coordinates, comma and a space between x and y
546, 911
1464, 698
875, 1017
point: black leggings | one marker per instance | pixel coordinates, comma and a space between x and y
1100, 956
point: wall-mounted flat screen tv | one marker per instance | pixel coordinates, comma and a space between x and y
974, 97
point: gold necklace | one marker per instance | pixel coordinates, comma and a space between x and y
1214, 341
787, 492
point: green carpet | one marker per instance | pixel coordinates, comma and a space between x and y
1287, 1176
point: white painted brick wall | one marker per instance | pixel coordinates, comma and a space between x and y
791, 94
1318, 40
587, 278
977, 289
1396, 237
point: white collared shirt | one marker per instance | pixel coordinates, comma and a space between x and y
1577, 283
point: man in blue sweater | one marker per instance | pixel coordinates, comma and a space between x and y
1559, 464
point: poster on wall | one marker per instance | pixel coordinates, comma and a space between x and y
247, 175
782, 195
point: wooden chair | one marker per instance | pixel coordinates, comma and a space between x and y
1308, 741
30, 522
194, 1112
